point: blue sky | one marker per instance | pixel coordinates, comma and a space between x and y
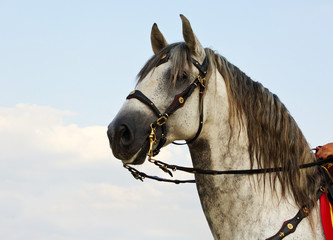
66, 68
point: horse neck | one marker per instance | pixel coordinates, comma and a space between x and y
233, 205
226, 144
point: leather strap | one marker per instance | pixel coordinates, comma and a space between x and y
290, 225
178, 102
140, 96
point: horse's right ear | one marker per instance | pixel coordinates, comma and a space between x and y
158, 42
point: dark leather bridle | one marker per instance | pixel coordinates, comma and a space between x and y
178, 102
288, 226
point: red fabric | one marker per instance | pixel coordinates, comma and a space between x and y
326, 216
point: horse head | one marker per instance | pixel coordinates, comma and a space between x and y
164, 84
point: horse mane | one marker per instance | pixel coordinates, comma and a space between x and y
275, 140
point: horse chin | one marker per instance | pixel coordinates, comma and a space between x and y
140, 156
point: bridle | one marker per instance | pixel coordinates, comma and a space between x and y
288, 226
178, 102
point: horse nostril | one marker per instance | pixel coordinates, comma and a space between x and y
125, 135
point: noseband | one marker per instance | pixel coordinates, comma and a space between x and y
178, 102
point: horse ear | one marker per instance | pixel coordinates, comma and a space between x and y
191, 40
158, 42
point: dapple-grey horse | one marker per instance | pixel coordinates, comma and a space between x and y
242, 126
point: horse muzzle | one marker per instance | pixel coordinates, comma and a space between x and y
128, 139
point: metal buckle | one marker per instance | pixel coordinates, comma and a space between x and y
164, 56
305, 210
202, 81
162, 120
152, 140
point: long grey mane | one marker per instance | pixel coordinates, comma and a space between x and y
275, 140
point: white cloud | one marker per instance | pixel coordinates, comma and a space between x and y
30, 130
60, 181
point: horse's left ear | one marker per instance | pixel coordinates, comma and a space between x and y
158, 41
192, 41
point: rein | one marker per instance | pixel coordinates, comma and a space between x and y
168, 167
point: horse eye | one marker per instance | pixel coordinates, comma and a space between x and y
185, 76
